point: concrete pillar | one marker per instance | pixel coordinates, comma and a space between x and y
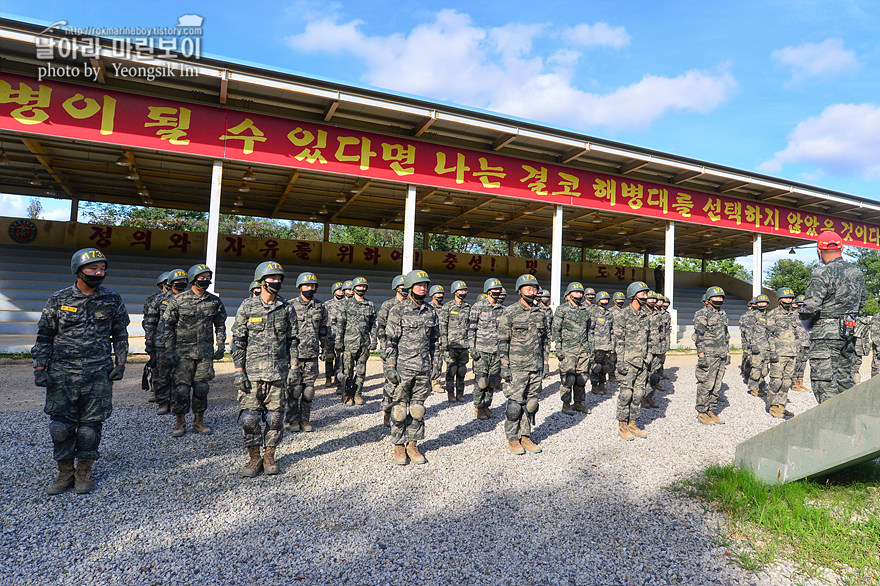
510, 248
583, 253
74, 210
669, 280
326, 231
703, 265
214, 221
646, 260
556, 258
757, 266
409, 229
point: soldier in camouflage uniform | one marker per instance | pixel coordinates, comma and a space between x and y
862, 344
835, 295
454, 340
759, 348
331, 359
412, 335
712, 339
149, 324
381, 323
264, 342
656, 335
356, 338
746, 320
667, 339
875, 345
162, 373
483, 346
437, 294
797, 381
255, 289
601, 342
618, 302
503, 296
315, 341
570, 331
189, 345
543, 303
782, 324
524, 350
78, 328
631, 328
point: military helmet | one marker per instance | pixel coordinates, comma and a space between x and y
458, 286
799, 299
491, 283
254, 285
436, 289
415, 276
618, 295
545, 293
589, 291
269, 267
85, 256
785, 292
526, 279
715, 291
176, 275
653, 295
162, 278
602, 295
752, 301
307, 279
503, 292
336, 287
359, 281
196, 270
347, 285
761, 298
396, 282
704, 298
573, 286
636, 287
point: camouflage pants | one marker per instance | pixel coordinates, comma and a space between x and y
487, 378
632, 390
302, 392
354, 370
408, 406
264, 403
329, 369
800, 364
709, 379
745, 365
191, 377
831, 367
573, 375
875, 363
162, 379
654, 363
856, 367
456, 369
780, 380
387, 390
522, 394
77, 405
602, 357
760, 368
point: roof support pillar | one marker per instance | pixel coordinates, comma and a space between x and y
669, 280
757, 266
214, 220
327, 231
409, 229
556, 258
74, 210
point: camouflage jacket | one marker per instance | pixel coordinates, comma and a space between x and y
313, 327
570, 329
875, 332
631, 330
667, 330
782, 331
161, 304
76, 331
548, 316
835, 290
152, 315
863, 335
454, 325
333, 305
262, 337
523, 339
483, 326
695, 336
657, 334
711, 335
412, 336
746, 321
614, 311
382, 318
192, 322
356, 324
759, 337
601, 326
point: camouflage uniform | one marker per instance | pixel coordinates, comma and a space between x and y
712, 339
163, 370
75, 337
862, 344
631, 330
666, 341
264, 339
333, 366
782, 335
800, 364
656, 336
746, 322
835, 290
614, 311
315, 338
454, 342
356, 336
189, 343
875, 345
150, 320
483, 344
601, 328
759, 351
570, 331
381, 324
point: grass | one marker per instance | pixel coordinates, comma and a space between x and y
829, 523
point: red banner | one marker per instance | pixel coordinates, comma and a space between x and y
93, 114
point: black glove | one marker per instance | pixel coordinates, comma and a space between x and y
728, 359
219, 353
560, 356
329, 353
774, 357
506, 374
241, 381
476, 355
41, 378
151, 363
622, 368
172, 358
702, 362
373, 345
294, 377
756, 350
392, 375
117, 372
149, 347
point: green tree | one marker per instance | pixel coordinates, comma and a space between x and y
792, 273
728, 266
869, 261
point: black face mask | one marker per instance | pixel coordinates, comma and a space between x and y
438, 299
308, 294
642, 301
530, 299
461, 295
716, 304
181, 286
257, 292
361, 291
417, 297
338, 295
651, 305
577, 300
272, 288
91, 280
203, 283
619, 303
496, 295
349, 293
785, 304
603, 304
545, 302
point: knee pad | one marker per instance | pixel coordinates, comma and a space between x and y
360, 369
580, 380
274, 420
532, 406
482, 382
60, 431
181, 393
416, 410
461, 371
296, 391
569, 380
88, 436
201, 390
513, 410
495, 382
596, 368
250, 421
398, 413
308, 393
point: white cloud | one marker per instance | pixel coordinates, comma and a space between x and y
843, 140
453, 59
817, 60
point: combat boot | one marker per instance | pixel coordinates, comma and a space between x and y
199, 424
786, 412
579, 407
306, 426
293, 427
664, 376
636, 430
152, 398
386, 419
777, 411
601, 390
798, 385
529, 446
179, 425
358, 400
612, 378
566, 408
65, 479
255, 465
488, 412
83, 482
755, 393
595, 390
400, 455
164, 409
715, 419
516, 447
623, 430
481, 413
459, 396
648, 402
415, 456
705, 419
450, 397
270, 467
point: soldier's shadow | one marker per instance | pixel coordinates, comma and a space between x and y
557, 421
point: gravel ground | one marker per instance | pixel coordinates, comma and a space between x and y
591, 509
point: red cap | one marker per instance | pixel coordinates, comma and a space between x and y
830, 241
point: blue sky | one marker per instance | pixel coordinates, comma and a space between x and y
786, 88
